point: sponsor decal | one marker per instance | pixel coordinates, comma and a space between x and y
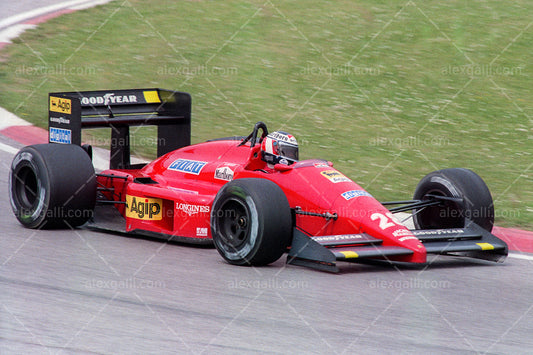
108, 99
348, 195
61, 105
403, 239
187, 166
224, 173
402, 232
60, 135
334, 176
148, 209
321, 165
59, 120
192, 209
201, 231
429, 232
183, 190
338, 238
285, 137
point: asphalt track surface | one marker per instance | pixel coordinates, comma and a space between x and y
80, 291
13, 8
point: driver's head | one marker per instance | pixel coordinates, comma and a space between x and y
279, 148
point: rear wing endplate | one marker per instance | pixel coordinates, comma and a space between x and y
70, 112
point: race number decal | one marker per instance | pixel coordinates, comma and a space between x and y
385, 220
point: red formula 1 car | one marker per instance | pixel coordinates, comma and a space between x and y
250, 196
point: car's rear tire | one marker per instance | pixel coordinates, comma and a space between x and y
251, 222
476, 204
52, 186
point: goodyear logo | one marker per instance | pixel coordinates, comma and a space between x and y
108, 99
61, 105
60, 135
187, 166
334, 176
148, 209
348, 195
336, 238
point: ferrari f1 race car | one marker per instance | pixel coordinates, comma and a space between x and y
250, 196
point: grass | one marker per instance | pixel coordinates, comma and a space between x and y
387, 90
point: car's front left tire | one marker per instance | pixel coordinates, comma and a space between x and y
251, 222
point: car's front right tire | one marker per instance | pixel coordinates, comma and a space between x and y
465, 196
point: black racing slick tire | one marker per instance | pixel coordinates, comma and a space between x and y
251, 222
471, 199
52, 186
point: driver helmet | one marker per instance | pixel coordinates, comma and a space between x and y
279, 148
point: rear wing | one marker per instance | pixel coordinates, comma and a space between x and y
70, 112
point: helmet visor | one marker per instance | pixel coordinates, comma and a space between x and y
289, 151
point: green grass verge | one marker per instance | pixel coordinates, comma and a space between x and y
387, 90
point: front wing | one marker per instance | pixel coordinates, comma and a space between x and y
323, 252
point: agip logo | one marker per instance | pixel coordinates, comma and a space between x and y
61, 105
148, 209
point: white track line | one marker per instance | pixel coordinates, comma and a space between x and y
11, 27
14, 31
8, 119
12, 20
8, 149
521, 256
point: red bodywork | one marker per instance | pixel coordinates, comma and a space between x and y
173, 195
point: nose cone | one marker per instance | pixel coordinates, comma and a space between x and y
376, 220
383, 225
